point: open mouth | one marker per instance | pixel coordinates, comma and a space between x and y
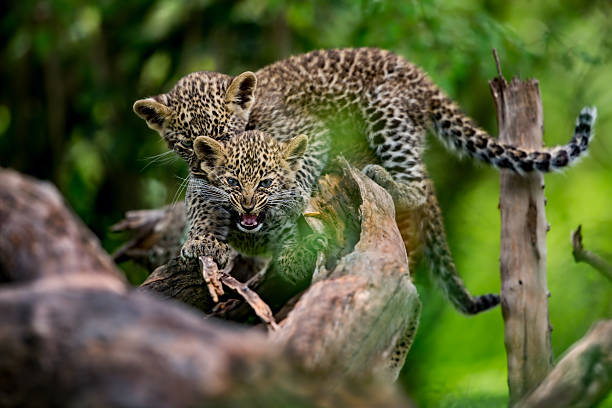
249, 222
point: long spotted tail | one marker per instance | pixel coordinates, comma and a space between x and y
459, 132
437, 254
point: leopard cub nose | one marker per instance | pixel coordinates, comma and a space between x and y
248, 207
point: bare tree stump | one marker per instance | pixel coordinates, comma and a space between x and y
524, 295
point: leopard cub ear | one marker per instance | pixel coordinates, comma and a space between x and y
209, 151
240, 95
294, 149
153, 112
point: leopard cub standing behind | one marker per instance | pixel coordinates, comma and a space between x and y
245, 193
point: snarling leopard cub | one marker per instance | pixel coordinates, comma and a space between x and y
244, 194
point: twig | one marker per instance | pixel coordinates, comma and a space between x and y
210, 273
214, 279
582, 255
497, 64
259, 306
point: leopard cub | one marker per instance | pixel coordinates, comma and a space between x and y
244, 195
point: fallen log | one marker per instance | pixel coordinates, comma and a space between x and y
74, 333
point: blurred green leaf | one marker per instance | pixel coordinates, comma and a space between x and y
155, 70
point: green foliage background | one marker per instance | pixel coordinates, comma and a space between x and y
71, 70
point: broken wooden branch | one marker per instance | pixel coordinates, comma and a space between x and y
156, 235
582, 378
591, 258
260, 308
524, 295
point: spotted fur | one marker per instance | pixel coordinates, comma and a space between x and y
388, 99
248, 175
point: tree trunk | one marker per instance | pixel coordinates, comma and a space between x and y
524, 295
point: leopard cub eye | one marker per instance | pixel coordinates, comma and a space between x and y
265, 183
232, 182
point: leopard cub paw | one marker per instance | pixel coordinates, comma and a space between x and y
379, 175
194, 248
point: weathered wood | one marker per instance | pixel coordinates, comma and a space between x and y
75, 341
36, 228
582, 378
361, 316
76, 335
524, 295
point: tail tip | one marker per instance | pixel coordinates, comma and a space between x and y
588, 114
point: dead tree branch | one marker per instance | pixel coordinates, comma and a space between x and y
582, 378
156, 235
582, 255
524, 295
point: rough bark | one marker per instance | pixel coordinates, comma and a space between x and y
74, 334
362, 314
524, 295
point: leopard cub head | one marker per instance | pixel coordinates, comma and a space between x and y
255, 175
200, 104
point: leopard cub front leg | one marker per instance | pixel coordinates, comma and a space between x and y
206, 245
407, 195
295, 259
291, 268
206, 229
